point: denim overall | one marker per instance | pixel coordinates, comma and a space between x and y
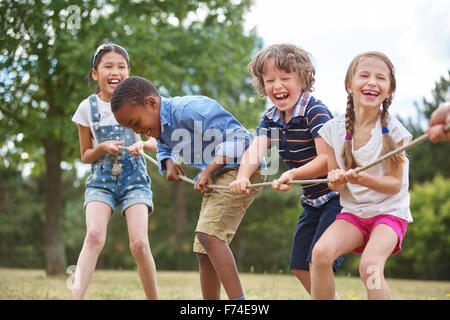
128, 182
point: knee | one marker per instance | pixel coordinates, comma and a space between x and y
95, 239
321, 256
371, 267
140, 249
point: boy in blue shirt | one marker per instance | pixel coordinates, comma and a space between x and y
210, 139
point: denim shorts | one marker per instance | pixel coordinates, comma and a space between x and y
310, 226
130, 187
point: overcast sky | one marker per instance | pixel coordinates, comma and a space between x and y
414, 34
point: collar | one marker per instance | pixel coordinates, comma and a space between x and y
274, 114
164, 113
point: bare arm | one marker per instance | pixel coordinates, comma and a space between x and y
205, 177
249, 163
391, 183
150, 145
313, 169
336, 179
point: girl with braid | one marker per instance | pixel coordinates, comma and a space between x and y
375, 202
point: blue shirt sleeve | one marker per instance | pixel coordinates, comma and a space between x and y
234, 145
210, 119
164, 153
198, 129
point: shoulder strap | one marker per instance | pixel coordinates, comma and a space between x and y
94, 111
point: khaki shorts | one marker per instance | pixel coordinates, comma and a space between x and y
222, 211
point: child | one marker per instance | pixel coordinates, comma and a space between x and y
186, 126
285, 74
116, 177
375, 202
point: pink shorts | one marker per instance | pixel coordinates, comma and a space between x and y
368, 224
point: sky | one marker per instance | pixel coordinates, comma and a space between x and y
414, 34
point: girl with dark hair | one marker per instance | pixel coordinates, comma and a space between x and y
118, 176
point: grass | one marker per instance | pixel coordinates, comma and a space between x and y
20, 284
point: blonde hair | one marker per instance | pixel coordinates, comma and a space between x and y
388, 143
288, 58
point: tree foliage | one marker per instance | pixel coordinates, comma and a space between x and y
428, 159
184, 47
189, 47
425, 247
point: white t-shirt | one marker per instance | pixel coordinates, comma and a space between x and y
359, 200
83, 116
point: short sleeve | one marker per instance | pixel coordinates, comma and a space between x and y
263, 128
81, 116
325, 132
265, 125
316, 117
398, 132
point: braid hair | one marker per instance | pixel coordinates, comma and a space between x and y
347, 154
389, 143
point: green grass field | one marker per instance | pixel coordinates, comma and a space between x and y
184, 285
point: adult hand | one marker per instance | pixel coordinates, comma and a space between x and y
438, 120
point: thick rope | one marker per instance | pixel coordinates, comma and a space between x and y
413, 143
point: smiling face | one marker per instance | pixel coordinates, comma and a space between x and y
283, 88
112, 68
370, 84
143, 119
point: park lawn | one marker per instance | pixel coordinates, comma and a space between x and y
185, 285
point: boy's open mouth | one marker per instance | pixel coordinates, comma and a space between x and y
281, 96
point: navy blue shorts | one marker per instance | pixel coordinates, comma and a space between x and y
310, 226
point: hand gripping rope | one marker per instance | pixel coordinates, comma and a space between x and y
413, 143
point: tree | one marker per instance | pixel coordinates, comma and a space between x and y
197, 47
428, 159
425, 247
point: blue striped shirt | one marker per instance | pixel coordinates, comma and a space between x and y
295, 140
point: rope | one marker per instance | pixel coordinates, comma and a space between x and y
413, 143
214, 186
